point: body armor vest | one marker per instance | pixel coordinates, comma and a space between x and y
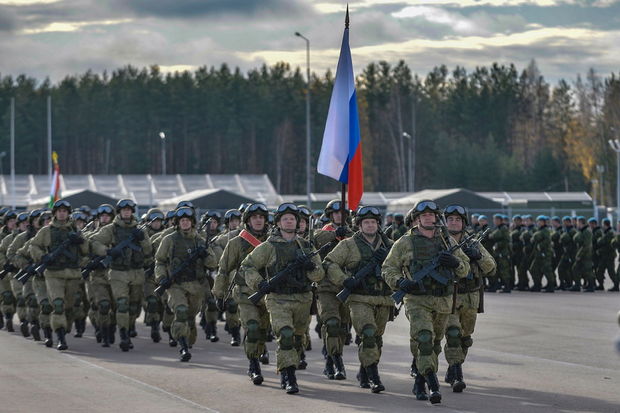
287, 252
373, 283
130, 258
69, 258
181, 248
424, 250
246, 249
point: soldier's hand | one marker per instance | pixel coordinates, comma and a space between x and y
75, 238
219, 303
448, 260
264, 287
473, 253
308, 265
341, 232
165, 282
380, 255
137, 234
351, 283
203, 252
406, 284
115, 252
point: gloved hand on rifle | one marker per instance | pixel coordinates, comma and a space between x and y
380, 255
341, 232
137, 234
406, 285
448, 260
8, 267
166, 282
75, 238
351, 283
264, 287
473, 253
115, 252
202, 252
306, 263
219, 303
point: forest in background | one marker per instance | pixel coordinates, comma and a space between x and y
491, 129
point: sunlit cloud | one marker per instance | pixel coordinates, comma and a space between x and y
26, 2
72, 26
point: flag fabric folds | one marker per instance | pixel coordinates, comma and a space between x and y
341, 151
55, 190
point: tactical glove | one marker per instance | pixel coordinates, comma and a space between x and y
75, 238
202, 252
448, 260
351, 283
219, 303
380, 255
8, 267
406, 284
473, 253
264, 287
308, 265
115, 252
341, 232
166, 282
137, 234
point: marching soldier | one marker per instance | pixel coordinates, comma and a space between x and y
582, 268
428, 302
62, 277
526, 241
565, 266
181, 265
289, 300
516, 252
230, 286
9, 254
607, 256
6, 292
152, 304
542, 257
460, 326
556, 233
398, 227
500, 240
126, 273
370, 302
597, 233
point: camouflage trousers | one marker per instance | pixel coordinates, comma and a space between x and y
255, 321
565, 271
127, 289
100, 294
289, 320
335, 318
20, 302
185, 300
32, 305
80, 302
606, 265
6, 296
40, 290
62, 287
427, 317
460, 328
153, 304
583, 270
369, 315
542, 267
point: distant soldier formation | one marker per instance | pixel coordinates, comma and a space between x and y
265, 274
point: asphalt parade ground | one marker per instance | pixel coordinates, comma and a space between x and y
532, 352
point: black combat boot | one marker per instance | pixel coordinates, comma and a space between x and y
362, 378
433, 387
373, 377
328, 371
62, 343
458, 385
34, 330
589, 287
283, 378
203, 321
317, 329
235, 341
132, 330
9, 323
340, 373
105, 336
616, 287
535, 288
211, 332
98, 333
419, 387
184, 350
254, 372
112, 331
291, 381
1, 320
47, 333
576, 287
155, 336
264, 358
600, 286
309, 344
124, 343
270, 336
303, 364
450, 375
171, 341
23, 327
80, 327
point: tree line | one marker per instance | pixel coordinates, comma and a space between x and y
494, 128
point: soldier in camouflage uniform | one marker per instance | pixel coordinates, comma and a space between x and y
6, 292
62, 277
526, 241
152, 304
542, 257
370, 302
597, 233
615, 276
427, 307
230, 286
398, 227
607, 256
334, 315
288, 301
516, 250
185, 288
461, 324
210, 222
500, 240
556, 233
569, 250
126, 273
80, 302
582, 268
7, 258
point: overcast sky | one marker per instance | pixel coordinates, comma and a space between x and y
58, 37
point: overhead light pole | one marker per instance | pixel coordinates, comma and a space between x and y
308, 173
615, 145
162, 135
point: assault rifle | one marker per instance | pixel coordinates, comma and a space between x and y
430, 270
8, 268
166, 282
284, 273
374, 265
104, 261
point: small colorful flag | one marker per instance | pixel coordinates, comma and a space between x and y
55, 190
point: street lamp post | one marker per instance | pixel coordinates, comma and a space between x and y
615, 145
601, 170
409, 186
162, 135
308, 176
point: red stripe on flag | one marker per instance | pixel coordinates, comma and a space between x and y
356, 179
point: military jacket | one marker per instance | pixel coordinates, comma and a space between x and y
604, 245
50, 237
516, 243
483, 267
541, 245
133, 257
583, 242
500, 238
219, 243
567, 241
597, 233
4, 247
174, 250
322, 237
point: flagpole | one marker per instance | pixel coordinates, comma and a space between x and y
13, 153
343, 201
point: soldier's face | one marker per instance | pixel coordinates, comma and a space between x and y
592, 225
369, 226
105, 219
156, 225
233, 223
497, 222
427, 219
528, 222
213, 225
541, 223
483, 222
185, 224
288, 223
80, 224
23, 225
126, 213
337, 217
257, 222
62, 214
455, 223
518, 222
303, 225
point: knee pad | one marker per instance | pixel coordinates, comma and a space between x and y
232, 307
368, 336
253, 332
31, 301
46, 307
286, 338
211, 305
104, 307
134, 308
122, 305
181, 313
59, 306
333, 327
466, 342
8, 298
21, 301
453, 336
152, 304
425, 342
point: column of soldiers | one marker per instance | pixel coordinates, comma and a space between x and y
264, 271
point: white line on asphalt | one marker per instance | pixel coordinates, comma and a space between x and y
149, 386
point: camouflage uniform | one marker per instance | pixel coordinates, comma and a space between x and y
7, 298
542, 260
607, 257
526, 241
30, 305
16, 298
500, 239
582, 268
516, 256
569, 250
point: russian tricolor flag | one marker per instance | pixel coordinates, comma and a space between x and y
341, 152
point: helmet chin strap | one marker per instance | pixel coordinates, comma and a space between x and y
432, 227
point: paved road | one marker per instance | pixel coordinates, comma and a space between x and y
531, 353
